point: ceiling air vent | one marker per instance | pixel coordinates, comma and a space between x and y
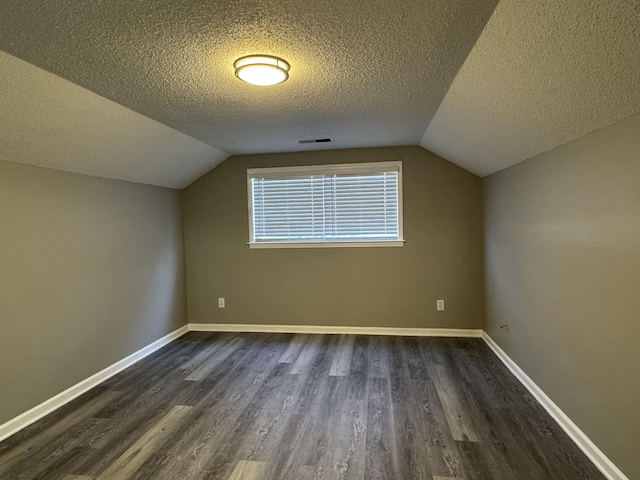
316, 140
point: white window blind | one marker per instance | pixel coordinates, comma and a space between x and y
321, 205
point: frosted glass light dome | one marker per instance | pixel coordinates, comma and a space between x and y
261, 70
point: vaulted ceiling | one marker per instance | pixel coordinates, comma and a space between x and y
145, 90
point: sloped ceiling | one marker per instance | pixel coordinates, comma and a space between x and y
49, 122
542, 73
364, 73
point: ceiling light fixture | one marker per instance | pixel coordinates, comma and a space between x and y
261, 70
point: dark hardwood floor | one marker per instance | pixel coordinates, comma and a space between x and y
266, 406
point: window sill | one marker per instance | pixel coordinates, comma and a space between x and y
393, 243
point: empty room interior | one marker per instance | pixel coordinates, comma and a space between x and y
355, 240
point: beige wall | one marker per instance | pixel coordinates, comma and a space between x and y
91, 270
563, 268
390, 287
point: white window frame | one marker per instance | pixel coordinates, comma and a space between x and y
327, 170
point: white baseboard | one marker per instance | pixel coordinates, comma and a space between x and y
27, 418
36, 413
599, 459
408, 332
589, 448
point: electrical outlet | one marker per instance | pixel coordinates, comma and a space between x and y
221, 303
440, 305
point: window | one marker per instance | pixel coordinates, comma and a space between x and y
357, 204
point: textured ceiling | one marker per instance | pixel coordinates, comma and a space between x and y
49, 122
363, 72
542, 73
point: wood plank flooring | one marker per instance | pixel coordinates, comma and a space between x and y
305, 407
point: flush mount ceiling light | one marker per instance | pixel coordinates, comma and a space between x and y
261, 70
